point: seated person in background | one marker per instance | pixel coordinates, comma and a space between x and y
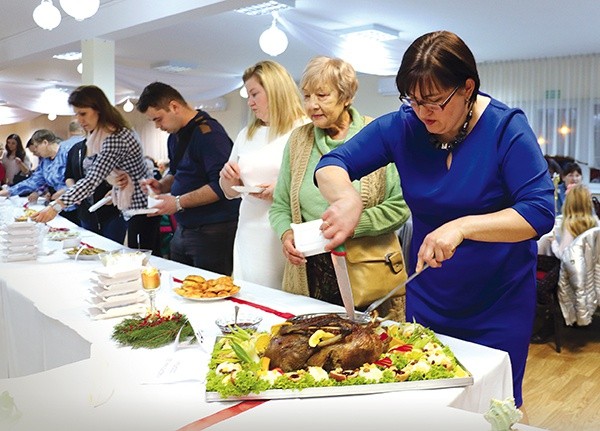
578, 217
163, 167
571, 175
152, 167
50, 172
15, 161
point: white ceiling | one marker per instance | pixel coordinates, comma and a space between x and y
223, 43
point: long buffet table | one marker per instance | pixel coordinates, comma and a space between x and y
63, 371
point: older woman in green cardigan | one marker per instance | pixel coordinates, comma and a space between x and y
328, 86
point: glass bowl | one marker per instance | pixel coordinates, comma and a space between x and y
126, 257
247, 322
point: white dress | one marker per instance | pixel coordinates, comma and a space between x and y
257, 252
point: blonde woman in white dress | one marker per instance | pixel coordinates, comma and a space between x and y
276, 107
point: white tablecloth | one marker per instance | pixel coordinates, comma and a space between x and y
45, 324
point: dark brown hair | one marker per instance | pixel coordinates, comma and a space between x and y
90, 96
19, 150
434, 61
158, 95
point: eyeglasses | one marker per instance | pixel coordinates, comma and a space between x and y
435, 107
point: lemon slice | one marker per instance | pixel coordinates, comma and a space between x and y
319, 336
261, 343
275, 328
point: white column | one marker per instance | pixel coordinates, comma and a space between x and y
98, 58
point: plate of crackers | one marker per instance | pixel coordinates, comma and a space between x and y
197, 288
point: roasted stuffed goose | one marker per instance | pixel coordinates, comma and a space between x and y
328, 341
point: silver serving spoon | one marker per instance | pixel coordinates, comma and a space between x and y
236, 310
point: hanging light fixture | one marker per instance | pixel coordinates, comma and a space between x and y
52, 116
273, 41
80, 9
46, 15
128, 106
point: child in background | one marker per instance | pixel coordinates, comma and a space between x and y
578, 217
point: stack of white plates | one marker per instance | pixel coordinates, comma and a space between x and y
117, 292
19, 241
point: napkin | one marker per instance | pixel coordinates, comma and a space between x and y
183, 365
104, 304
113, 275
106, 291
308, 237
128, 310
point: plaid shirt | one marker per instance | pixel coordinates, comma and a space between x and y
121, 150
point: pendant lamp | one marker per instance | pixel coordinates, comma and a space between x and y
80, 9
46, 15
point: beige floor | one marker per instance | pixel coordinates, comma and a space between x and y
562, 390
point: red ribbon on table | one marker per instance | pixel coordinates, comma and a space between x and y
253, 304
220, 416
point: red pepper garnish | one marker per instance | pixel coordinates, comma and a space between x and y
384, 336
402, 348
384, 362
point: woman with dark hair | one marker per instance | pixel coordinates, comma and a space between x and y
15, 160
112, 151
571, 176
478, 188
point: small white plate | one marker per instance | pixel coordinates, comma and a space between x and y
131, 213
100, 203
247, 189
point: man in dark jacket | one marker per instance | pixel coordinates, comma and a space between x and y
198, 147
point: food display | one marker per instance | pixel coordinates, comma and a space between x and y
27, 214
126, 257
325, 355
85, 251
61, 235
198, 288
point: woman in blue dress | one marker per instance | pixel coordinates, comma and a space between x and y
478, 187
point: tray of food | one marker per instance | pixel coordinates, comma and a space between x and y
84, 253
198, 288
329, 355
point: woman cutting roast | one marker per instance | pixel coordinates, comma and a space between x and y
478, 189
328, 86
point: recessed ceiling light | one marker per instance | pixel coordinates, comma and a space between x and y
264, 8
375, 32
173, 66
71, 56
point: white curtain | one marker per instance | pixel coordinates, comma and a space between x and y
561, 98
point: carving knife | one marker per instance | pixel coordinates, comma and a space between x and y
380, 301
338, 257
